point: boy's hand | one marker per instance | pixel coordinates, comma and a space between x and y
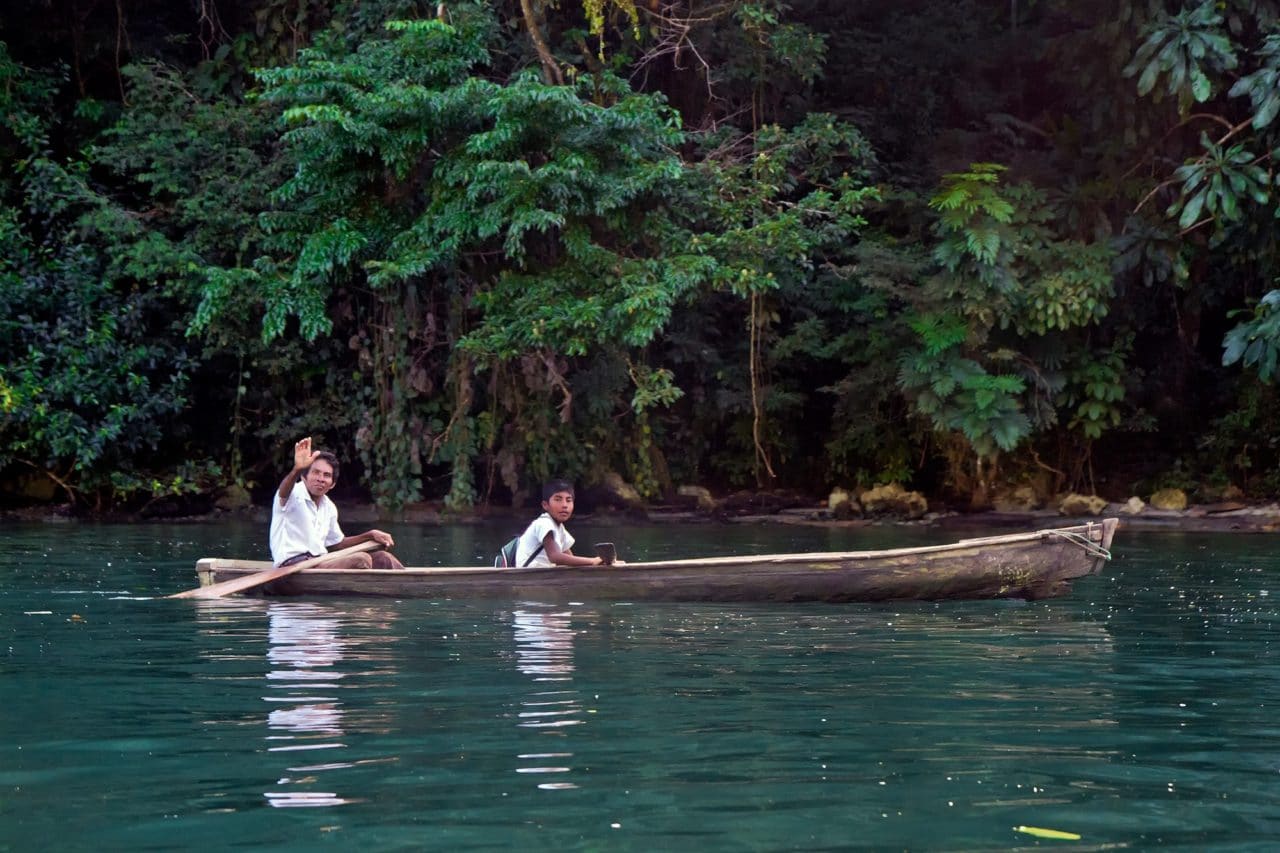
302, 454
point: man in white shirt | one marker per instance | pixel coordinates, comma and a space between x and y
304, 522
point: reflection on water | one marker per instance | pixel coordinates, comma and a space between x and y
544, 643
304, 647
316, 656
544, 652
308, 643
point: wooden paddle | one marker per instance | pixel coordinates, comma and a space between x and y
218, 590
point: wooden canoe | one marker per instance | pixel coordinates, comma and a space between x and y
1034, 565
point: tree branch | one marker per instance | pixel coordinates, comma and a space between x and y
550, 69
67, 487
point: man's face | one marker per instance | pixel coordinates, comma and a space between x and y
319, 478
559, 506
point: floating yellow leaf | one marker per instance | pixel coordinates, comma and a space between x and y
1041, 832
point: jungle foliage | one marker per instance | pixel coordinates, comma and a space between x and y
472, 245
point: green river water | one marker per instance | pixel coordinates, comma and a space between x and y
1140, 712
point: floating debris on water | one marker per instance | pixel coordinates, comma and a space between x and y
1041, 832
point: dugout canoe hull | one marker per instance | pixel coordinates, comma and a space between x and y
1032, 565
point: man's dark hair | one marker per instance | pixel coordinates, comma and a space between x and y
327, 457
553, 486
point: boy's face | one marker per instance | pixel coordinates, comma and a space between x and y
559, 506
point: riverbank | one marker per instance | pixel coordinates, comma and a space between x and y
1217, 518
1263, 518
1257, 519
1221, 517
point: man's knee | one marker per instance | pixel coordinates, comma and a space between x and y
385, 560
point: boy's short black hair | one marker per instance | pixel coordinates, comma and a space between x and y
325, 456
552, 486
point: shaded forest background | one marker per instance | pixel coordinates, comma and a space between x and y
965, 246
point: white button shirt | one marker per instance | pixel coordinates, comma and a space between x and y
533, 536
301, 526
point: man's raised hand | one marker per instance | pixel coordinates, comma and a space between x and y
303, 456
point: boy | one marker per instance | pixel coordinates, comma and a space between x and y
548, 531
304, 522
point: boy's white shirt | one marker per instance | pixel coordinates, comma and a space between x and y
301, 526
533, 536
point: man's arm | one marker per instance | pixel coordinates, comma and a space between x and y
565, 558
302, 459
382, 538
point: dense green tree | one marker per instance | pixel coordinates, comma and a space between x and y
482, 219
754, 243
92, 370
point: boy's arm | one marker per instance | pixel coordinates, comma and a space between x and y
565, 558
